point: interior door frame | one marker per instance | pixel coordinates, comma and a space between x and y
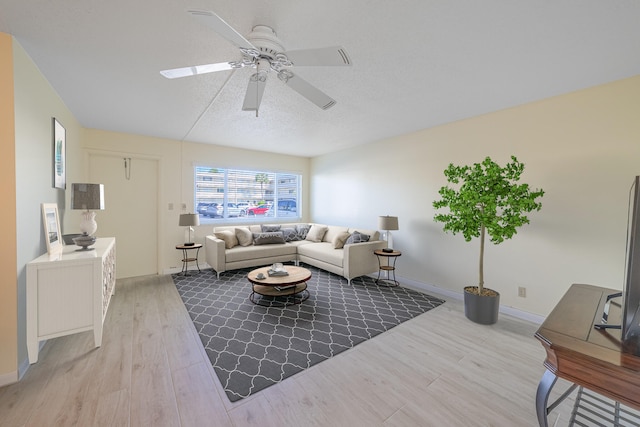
158, 159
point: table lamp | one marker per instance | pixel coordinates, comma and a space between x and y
87, 197
388, 223
189, 220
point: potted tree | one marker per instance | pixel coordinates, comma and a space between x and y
486, 199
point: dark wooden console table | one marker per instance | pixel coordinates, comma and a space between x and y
583, 355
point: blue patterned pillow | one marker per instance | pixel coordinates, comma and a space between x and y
357, 237
268, 227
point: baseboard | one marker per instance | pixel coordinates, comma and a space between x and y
511, 311
175, 270
8, 378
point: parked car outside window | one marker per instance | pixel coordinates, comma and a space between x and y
214, 210
202, 208
257, 210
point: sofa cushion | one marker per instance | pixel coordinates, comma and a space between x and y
302, 230
324, 252
268, 238
290, 234
229, 238
316, 233
248, 253
332, 232
244, 236
340, 239
357, 237
266, 228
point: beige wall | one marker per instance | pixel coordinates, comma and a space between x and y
177, 161
8, 287
583, 149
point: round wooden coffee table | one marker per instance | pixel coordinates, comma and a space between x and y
281, 290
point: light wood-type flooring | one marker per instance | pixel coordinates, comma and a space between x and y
438, 369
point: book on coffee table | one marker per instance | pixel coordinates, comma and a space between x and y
276, 273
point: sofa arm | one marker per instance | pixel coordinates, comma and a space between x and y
360, 260
215, 253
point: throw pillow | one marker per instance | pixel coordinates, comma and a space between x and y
302, 230
268, 227
340, 239
290, 234
357, 237
268, 238
244, 236
229, 238
316, 233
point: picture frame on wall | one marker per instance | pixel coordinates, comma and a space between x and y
59, 155
52, 231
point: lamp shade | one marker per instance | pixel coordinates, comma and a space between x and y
87, 196
188, 220
388, 222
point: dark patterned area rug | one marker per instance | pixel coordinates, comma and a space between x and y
252, 347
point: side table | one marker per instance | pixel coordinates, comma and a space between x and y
389, 266
186, 259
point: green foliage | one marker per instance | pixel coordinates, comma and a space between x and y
486, 197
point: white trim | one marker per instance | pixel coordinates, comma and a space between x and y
8, 378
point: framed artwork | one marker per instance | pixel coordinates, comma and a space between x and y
59, 153
52, 233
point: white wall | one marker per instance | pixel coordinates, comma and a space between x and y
583, 149
35, 104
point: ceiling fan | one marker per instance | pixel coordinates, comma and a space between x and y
262, 50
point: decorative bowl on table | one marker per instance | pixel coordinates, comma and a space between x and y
84, 242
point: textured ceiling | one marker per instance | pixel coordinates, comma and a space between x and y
416, 63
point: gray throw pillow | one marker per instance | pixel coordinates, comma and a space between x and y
357, 237
303, 230
268, 238
290, 234
266, 228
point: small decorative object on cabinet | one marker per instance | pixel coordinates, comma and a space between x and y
69, 292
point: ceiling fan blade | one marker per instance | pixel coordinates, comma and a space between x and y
195, 70
221, 27
324, 56
309, 91
253, 97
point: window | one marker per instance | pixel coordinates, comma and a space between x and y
240, 194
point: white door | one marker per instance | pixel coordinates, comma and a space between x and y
131, 210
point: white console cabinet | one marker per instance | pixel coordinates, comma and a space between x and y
69, 292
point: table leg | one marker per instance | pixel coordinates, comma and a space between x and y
542, 396
198, 265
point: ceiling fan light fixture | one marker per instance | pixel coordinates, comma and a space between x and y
263, 50
285, 75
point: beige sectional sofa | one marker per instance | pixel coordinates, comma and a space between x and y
340, 250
